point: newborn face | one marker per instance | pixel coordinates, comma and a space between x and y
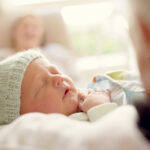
44, 89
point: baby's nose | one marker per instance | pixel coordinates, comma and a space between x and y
58, 79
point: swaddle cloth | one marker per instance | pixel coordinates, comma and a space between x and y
122, 85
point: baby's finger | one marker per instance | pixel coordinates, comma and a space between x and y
90, 91
83, 106
81, 97
99, 90
109, 94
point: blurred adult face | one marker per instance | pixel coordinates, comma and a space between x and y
28, 33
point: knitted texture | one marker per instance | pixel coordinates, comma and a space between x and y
12, 71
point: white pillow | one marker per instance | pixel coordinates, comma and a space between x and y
36, 131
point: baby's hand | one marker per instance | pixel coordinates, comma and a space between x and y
94, 98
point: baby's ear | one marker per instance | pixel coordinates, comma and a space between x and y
145, 29
143, 109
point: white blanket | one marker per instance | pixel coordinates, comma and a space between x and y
36, 131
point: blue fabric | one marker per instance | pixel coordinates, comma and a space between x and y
132, 90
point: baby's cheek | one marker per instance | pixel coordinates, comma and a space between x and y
52, 106
74, 102
74, 99
73, 105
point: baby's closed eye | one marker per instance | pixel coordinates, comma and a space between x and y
54, 70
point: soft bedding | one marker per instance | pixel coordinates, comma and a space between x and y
36, 131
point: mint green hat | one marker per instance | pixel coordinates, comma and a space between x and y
12, 71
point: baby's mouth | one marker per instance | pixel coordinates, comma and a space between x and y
66, 92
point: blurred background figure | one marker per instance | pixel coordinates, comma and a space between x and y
28, 32
98, 33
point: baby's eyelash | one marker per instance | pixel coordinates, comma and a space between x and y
54, 71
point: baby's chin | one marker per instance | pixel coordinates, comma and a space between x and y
72, 109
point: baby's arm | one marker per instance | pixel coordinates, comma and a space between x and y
93, 98
96, 104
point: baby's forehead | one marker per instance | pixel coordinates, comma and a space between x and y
42, 61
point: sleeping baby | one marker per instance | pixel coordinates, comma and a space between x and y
30, 83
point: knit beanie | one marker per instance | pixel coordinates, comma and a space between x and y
12, 71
